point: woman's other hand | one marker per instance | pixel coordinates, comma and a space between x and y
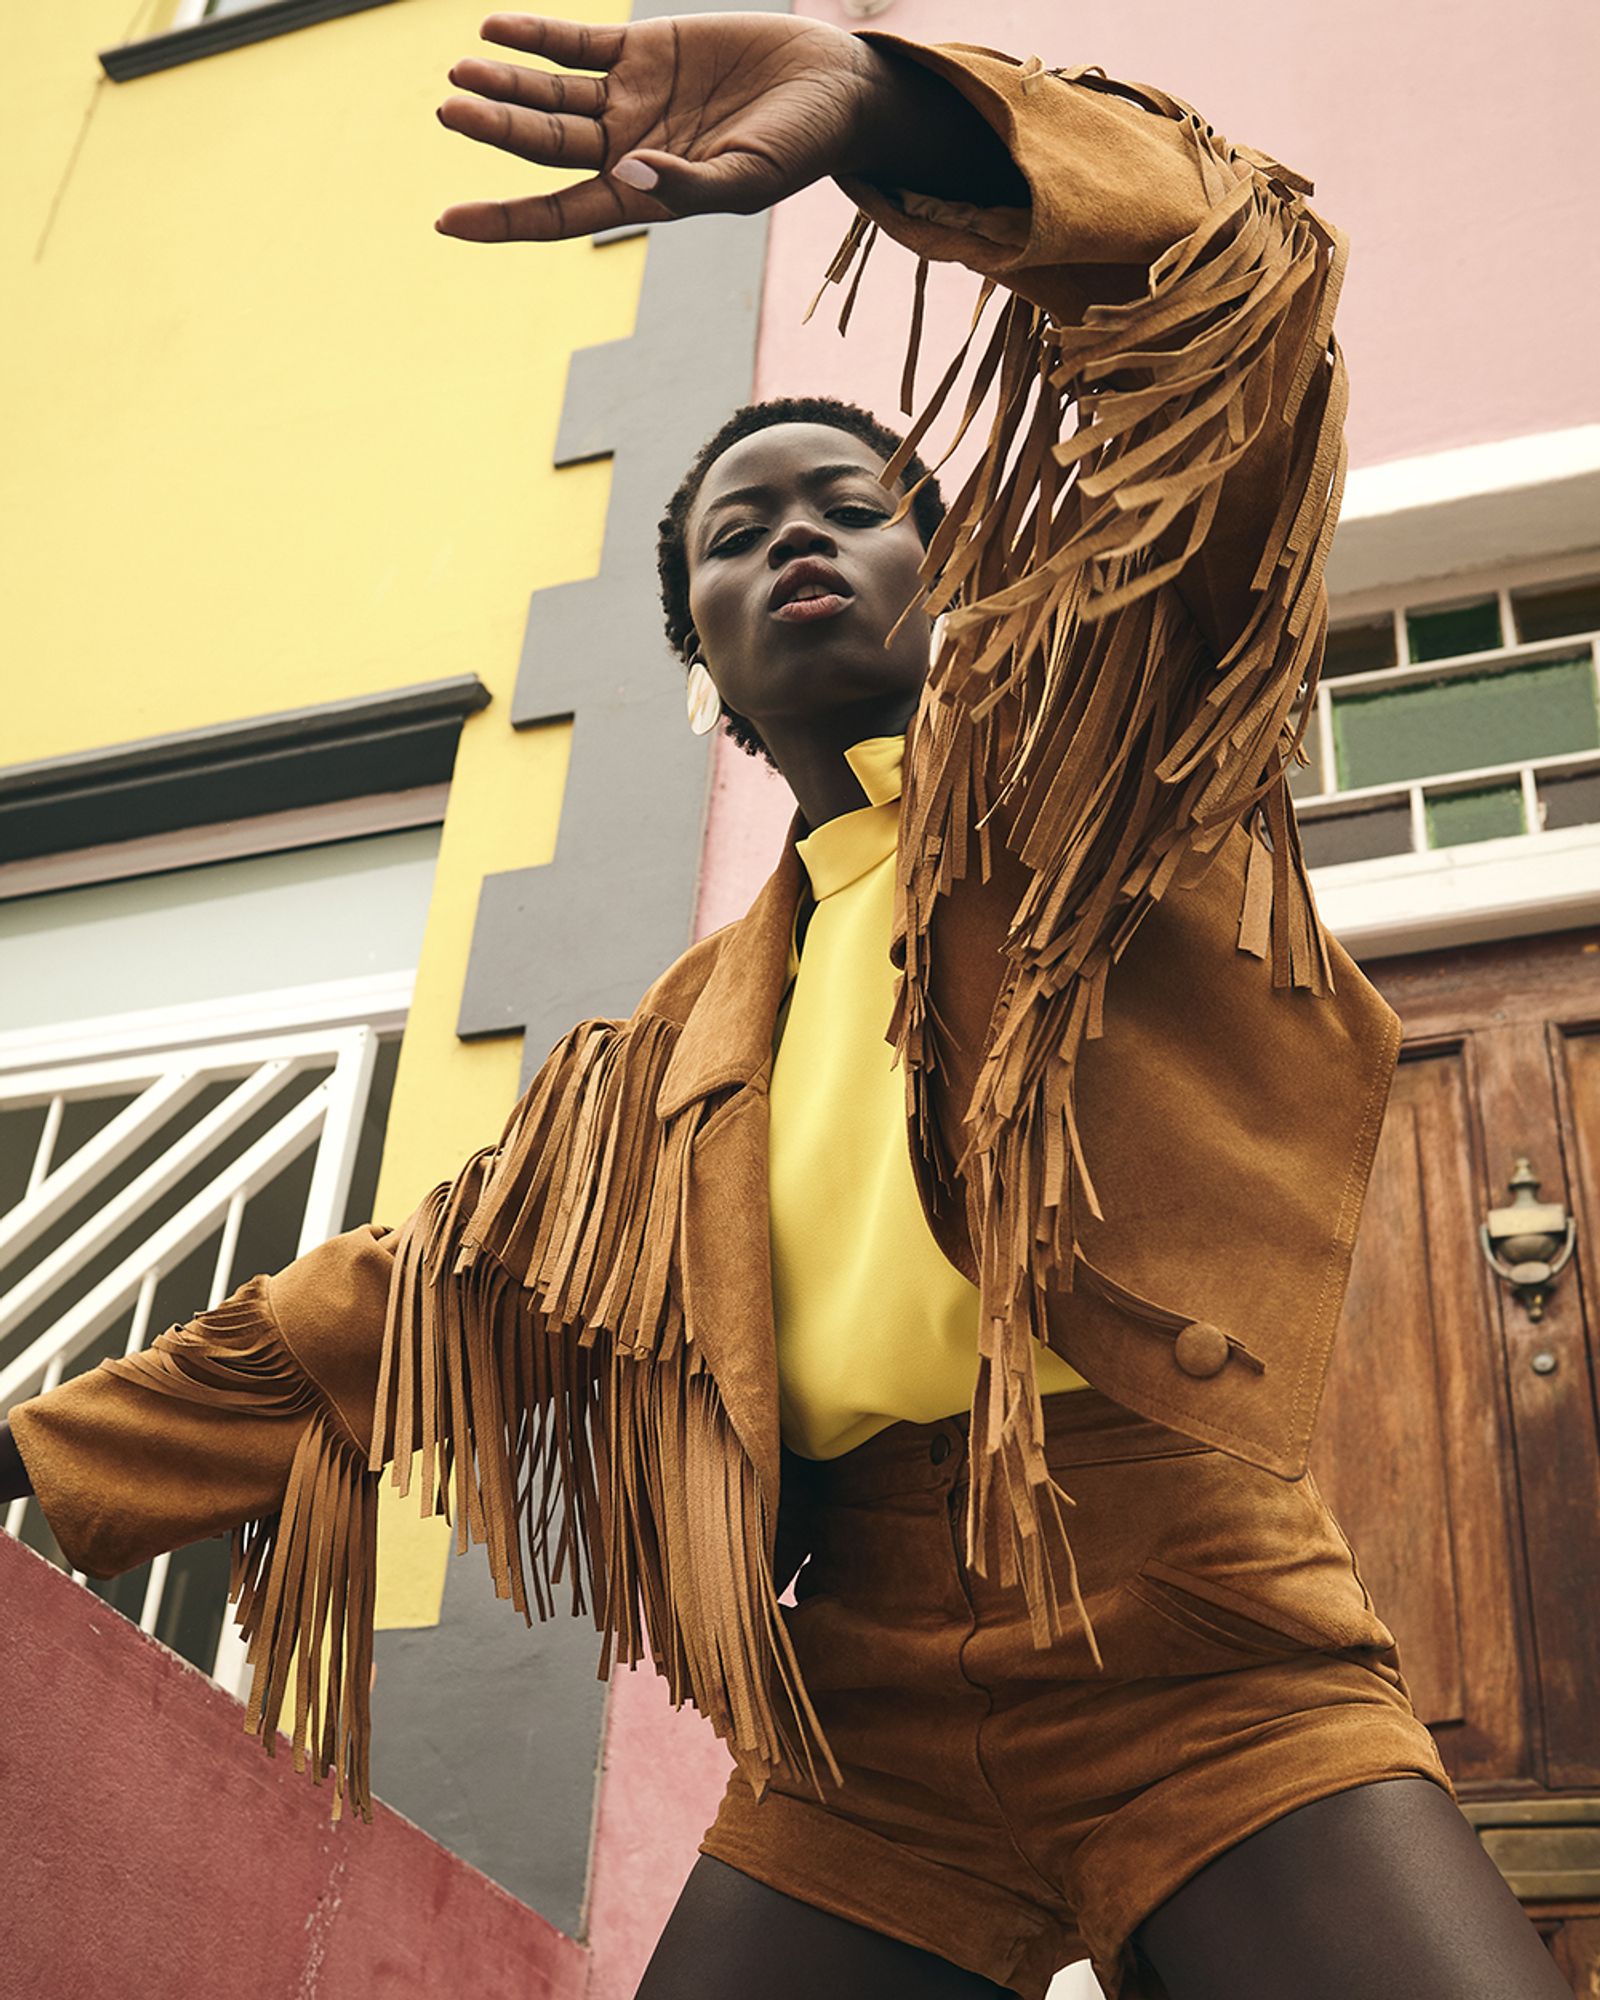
14, 1482
729, 112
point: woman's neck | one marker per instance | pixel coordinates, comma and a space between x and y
810, 754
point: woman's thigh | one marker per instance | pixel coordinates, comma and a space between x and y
730, 1937
1375, 1893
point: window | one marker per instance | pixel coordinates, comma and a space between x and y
139, 1189
197, 28
1443, 721
188, 12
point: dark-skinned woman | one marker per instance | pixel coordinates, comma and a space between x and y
958, 1236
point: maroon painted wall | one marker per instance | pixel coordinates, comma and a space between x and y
150, 1849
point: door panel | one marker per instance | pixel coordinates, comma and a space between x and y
1412, 1444
1458, 1441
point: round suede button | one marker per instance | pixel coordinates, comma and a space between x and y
1200, 1348
939, 1450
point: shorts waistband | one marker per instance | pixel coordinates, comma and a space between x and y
1081, 1427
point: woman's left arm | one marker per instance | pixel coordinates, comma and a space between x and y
1189, 289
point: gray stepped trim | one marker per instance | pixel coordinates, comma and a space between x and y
234, 770
228, 31
586, 934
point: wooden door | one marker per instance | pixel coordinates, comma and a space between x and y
1458, 1442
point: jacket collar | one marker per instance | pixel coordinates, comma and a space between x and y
727, 1038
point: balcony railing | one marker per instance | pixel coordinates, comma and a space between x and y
194, 1135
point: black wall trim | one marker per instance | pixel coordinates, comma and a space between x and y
234, 770
228, 31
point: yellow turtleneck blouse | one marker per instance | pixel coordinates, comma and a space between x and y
874, 1323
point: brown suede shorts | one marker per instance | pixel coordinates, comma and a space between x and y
1014, 1809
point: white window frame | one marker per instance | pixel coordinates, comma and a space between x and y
1433, 898
190, 13
255, 1040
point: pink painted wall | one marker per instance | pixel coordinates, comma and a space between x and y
662, 1778
1451, 139
153, 1850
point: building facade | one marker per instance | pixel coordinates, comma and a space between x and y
331, 643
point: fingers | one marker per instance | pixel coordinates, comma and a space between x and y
573, 43
545, 137
538, 89
547, 218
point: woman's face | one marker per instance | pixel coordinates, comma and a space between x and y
793, 495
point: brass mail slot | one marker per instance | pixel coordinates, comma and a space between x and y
1547, 1849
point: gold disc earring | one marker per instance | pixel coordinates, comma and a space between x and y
705, 704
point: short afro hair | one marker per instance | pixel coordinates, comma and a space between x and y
672, 560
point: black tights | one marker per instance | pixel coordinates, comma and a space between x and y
1379, 1893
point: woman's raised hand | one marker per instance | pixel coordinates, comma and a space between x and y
729, 113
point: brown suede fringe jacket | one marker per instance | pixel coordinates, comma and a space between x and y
1143, 1086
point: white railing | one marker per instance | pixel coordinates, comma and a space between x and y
1414, 793
260, 1070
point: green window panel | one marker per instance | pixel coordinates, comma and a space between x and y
1454, 629
1427, 728
1489, 813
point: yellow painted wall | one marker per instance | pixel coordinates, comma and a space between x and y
271, 440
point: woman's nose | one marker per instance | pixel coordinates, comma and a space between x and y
800, 536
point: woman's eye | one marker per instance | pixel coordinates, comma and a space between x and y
863, 514
730, 545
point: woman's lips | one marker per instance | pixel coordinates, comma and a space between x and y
807, 610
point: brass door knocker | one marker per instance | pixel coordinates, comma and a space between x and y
1534, 1239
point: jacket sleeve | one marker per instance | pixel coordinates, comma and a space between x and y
1131, 581
255, 1419
1194, 280
1132, 573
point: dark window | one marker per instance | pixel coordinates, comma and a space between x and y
1556, 610
1357, 836
1363, 648
1570, 800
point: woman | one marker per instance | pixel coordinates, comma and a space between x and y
1175, 1740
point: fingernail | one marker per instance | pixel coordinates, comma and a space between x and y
635, 174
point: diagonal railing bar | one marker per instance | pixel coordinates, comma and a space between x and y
49, 1132
173, 1241
185, 1153
101, 1155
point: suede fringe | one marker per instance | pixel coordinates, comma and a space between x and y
302, 1579
541, 1354
1072, 698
